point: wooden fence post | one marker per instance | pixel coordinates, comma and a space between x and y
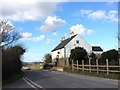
97, 66
77, 64
83, 65
107, 67
89, 65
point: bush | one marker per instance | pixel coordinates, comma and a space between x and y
67, 69
111, 55
47, 66
11, 63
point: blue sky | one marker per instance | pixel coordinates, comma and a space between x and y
43, 24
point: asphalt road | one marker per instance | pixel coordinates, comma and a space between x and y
37, 79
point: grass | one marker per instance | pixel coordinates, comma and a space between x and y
35, 66
101, 74
13, 78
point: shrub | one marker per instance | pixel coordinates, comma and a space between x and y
11, 61
47, 66
67, 69
111, 55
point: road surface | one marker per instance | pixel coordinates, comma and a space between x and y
41, 79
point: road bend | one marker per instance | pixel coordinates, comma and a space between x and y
41, 79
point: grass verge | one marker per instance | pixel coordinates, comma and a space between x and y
101, 74
13, 78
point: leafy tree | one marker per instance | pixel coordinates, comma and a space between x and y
78, 54
8, 33
111, 55
48, 61
48, 58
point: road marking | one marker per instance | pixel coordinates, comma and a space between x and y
34, 83
31, 83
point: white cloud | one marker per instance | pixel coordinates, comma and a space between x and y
97, 15
38, 38
50, 41
100, 15
21, 10
54, 33
89, 32
28, 36
52, 23
85, 12
80, 29
112, 15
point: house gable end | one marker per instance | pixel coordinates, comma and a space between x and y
63, 43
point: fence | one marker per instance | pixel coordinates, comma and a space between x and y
98, 68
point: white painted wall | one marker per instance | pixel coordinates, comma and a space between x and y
71, 45
55, 53
98, 52
82, 43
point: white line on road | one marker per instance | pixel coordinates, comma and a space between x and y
34, 83
31, 83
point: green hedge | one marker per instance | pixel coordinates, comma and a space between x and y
47, 66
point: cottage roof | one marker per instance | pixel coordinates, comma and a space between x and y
63, 43
96, 48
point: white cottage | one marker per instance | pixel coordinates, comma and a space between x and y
64, 48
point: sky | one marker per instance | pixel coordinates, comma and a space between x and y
42, 24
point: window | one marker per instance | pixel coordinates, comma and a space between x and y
77, 41
58, 52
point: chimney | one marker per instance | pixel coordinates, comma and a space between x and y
62, 38
71, 34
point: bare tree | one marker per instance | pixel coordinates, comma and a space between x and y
8, 33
